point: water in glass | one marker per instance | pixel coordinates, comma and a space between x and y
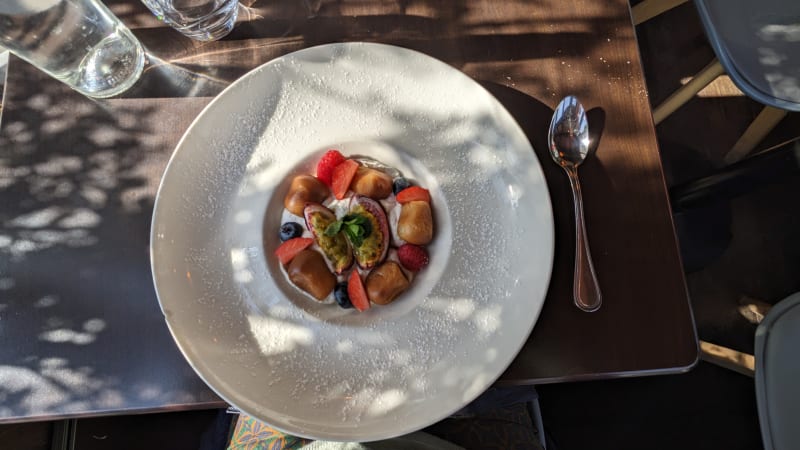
79, 42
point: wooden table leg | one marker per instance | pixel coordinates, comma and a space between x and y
728, 358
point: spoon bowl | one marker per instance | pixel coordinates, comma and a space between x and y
568, 136
568, 140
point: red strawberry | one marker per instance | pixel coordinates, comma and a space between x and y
357, 293
289, 249
412, 257
327, 163
414, 193
342, 176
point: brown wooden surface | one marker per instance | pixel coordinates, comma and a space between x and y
528, 54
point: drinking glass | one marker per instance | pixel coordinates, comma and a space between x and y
79, 42
202, 20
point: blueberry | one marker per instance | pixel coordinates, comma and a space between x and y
341, 296
291, 230
399, 184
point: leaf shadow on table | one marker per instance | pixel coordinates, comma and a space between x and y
534, 118
446, 30
162, 79
597, 123
124, 206
67, 196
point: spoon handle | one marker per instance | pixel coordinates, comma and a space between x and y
585, 288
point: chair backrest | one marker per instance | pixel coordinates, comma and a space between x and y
758, 44
777, 352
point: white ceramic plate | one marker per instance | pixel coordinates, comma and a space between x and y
315, 370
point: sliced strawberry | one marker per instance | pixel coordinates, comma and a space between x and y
342, 176
414, 193
289, 249
357, 293
327, 163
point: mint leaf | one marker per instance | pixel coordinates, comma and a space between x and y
333, 228
356, 227
360, 222
353, 235
353, 219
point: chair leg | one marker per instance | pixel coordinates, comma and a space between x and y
766, 120
753, 310
536, 414
728, 358
648, 9
688, 91
767, 167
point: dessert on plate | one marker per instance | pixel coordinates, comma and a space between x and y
355, 233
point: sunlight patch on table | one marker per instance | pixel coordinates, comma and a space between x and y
80, 218
94, 325
58, 165
67, 336
36, 219
36, 392
6, 283
46, 301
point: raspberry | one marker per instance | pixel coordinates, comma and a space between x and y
326, 164
412, 257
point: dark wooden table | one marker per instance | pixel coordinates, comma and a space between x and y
80, 324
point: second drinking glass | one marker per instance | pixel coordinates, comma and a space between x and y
202, 20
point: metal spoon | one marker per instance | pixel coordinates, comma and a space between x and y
568, 138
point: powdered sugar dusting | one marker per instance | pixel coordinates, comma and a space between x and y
305, 367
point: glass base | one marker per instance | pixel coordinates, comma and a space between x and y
213, 26
111, 68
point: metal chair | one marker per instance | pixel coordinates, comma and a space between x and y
776, 369
757, 45
777, 375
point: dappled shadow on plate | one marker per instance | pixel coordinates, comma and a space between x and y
452, 345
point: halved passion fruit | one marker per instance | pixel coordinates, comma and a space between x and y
372, 249
335, 247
